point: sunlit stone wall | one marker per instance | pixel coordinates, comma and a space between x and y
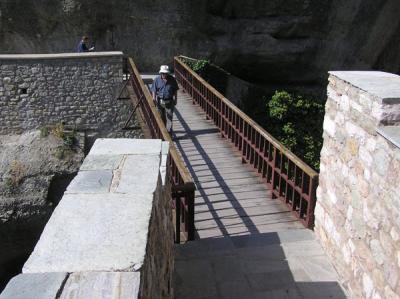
357, 217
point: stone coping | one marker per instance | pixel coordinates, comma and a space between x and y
385, 86
109, 202
391, 133
60, 55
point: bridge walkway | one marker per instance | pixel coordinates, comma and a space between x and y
247, 245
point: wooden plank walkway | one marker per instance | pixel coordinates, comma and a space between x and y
230, 199
247, 245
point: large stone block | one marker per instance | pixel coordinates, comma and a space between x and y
126, 146
34, 285
107, 285
139, 174
101, 232
98, 181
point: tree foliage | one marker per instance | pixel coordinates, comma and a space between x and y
296, 121
198, 65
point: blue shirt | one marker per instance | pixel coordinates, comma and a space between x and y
82, 47
165, 90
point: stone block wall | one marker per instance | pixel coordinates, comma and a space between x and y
111, 235
77, 89
357, 216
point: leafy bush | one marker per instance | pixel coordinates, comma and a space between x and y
198, 65
58, 130
44, 132
297, 123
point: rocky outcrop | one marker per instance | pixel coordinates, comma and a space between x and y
286, 43
31, 170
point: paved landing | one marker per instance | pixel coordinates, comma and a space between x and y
247, 245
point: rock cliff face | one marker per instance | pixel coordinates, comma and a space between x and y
33, 177
279, 41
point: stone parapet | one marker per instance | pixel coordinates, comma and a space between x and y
111, 235
77, 89
357, 216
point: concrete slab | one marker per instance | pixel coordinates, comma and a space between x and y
139, 174
126, 146
115, 285
391, 133
101, 162
34, 285
98, 181
94, 232
386, 86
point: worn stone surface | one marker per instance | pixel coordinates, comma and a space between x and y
98, 181
357, 212
108, 231
139, 173
34, 285
80, 91
392, 133
115, 285
118, 222
126, 146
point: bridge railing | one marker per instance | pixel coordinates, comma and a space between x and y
290, 179
182, 186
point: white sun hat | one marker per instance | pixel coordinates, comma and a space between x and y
164, 69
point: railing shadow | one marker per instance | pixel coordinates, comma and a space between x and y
267, 265
221, 185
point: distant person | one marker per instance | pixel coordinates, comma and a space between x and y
83, 45
164, 90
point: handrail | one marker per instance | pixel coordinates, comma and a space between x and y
261, 130
182, 184
290, 179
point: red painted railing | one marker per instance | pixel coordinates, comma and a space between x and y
289, 178
182, 186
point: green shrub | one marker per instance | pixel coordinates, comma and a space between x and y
44, 132
296, 121
68, 137
58, 130
198, 65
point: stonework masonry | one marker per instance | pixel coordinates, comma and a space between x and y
357, 216
111, 235
77, 89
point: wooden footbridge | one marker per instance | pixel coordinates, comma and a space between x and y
239, 178
246, 200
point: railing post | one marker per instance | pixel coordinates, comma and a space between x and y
190, 219
177, 218
273, 171
312, 202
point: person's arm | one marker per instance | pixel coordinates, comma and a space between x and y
154, 90
176, 92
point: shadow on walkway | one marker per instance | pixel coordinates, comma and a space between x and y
221, 184
288, 264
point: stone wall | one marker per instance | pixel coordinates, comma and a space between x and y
77, 89
357, 216
111, 235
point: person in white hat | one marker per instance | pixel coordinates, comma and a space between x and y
164, 90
